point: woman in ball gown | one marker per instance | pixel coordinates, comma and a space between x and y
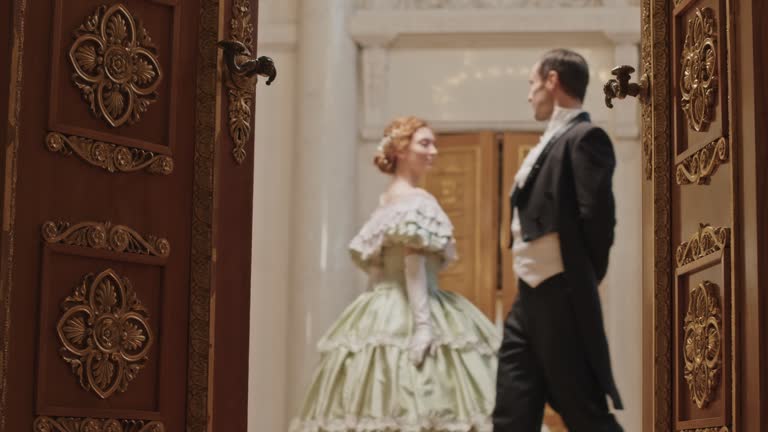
405, 355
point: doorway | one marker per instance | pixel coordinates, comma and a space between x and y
472, 180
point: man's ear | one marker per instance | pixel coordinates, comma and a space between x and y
552, 80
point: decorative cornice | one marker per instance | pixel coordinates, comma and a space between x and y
108, 236
111, 157
625, 37
79, 424
699, 167
371, 25
706, 241
470, 4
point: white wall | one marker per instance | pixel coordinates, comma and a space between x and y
464, 69
465, 86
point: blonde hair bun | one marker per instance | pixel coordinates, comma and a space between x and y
397, 137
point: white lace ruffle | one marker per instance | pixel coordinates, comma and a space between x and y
464, 343
429, 424
416, 221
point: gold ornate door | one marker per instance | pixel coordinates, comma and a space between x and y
465, 182
111, 244
688, 194
695, 216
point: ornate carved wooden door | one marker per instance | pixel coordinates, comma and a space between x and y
111, 243
688, 199
703, 318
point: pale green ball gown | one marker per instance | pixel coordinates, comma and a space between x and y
365, 380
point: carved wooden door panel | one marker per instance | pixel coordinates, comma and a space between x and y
465, 182
689, 209
702, 217
110, 233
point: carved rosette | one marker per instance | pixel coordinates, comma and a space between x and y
702, 343
699, 167
105, 333
116, 65
241, 95
698, 81
96, 235
75, 424
706, 241
110, 157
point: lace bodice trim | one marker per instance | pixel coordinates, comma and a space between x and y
415, 221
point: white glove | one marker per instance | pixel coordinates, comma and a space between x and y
423, 338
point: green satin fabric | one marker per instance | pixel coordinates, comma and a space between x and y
366, 382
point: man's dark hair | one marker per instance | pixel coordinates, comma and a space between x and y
571, 68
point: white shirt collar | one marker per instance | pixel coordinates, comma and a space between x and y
560, 117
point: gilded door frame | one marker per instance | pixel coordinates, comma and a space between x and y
658, 277
208, 102
656, 133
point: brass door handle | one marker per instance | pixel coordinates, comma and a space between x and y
243, 66
620, 87
244, 70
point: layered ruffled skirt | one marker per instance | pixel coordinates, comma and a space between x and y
366, 382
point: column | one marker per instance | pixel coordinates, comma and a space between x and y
272, 258
375, 45
324, 200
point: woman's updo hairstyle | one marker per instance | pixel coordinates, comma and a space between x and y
397, 137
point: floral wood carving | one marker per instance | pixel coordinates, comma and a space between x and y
702, 342
646, 138
116, 65
656, 55
710, 429
105, 333
706, 241
110, 157
698, 81
198, 391
96, 235
646, 109
241, 97
700, 166
74, 424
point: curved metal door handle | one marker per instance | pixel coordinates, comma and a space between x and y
242, 65
620, 87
